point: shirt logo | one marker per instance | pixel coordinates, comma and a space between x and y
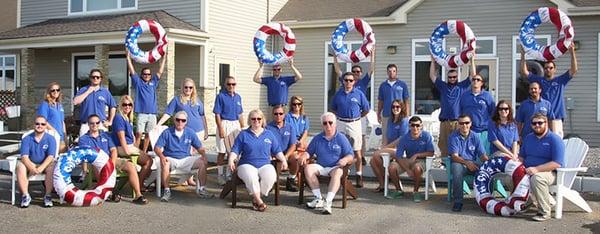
481, 102
421, 142
103, 139
151, 83
239, 103
45, 146
399, 89
546, 144
268, 141
544, 110
282, 83
471, 148
554, 84
187, 141
286, 133
101, 98
336, 146
354, 100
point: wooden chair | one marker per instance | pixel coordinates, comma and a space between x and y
231, 186
347, 187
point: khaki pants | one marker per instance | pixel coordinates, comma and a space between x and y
384, 121
446, 128
539, 184
557, 127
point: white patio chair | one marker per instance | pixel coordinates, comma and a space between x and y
429, 182
575, 152
373, 140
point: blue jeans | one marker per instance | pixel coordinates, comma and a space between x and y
458, 172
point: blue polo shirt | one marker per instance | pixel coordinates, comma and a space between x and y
286, 135
469, 148
145, 94
349, 105
539, 151
55, 115
95, 103
299, 124
255, 150
507, 134
228, 106
389, 93
178, 147
450, 97
553, 90
103, 142
360, 84
120, 124
479, 107
528, 108
329, 152
277, 89
195, 112
38, 151
423, 143
396, 130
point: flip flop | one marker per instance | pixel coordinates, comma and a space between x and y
141, 200
378, 190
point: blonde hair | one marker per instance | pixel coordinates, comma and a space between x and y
260, 114
301, 100
128, 117
193, 96
48, 96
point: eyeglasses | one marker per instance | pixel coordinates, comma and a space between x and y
548, 68
415, 125
180, 120
503, 109
297, 104
349, 80
231, 84
127, 104
356, 71
54, 90
396, 106
452, 77
476, 80
95, 77
464, 123
146, 74
93, 123
536, 123
325, 123
276, 69
40, 124
278, 113
188, 87
256, 119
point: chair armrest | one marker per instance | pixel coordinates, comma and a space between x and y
572, 169
12, 162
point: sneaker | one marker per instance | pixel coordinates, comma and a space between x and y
327, 207
202, 193
166, 196
364, 161
457, 207
315, 203
417, 197
540, 218
25, 200
359, 181
552, 201
48, 201
290, 185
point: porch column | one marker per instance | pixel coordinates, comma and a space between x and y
101, 57
167, 87
27, 97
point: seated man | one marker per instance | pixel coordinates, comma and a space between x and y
418, 145
464, 147
174, 147
37, 156
542, 153
333, 151
99, 139
286, 135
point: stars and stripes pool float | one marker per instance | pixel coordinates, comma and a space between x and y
340, 49
260, 40
436, 43
484, 187
66, 189
544, 15
160, 37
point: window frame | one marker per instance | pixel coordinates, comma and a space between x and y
84, 11
515, 56
3, 69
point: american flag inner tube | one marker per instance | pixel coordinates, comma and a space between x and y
436, 43
260, 40
340, 49
563, 25
160, 37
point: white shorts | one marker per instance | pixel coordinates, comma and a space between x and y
228, 127
353, 131
145, 122
364, 124
185, 164
324, 171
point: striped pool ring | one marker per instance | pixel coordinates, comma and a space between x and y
543, 15
337, 40
66, 189
134, 32
436, 43
484, 187
260, 39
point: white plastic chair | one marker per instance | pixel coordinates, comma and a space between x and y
429, 182
575, 152
373, 140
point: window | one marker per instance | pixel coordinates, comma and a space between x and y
426, 96
7, 72
520, 84
100, 6
224, 72
118, 83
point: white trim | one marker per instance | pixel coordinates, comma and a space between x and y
18, 13
84, 10
598, 81
204, 15
516, 55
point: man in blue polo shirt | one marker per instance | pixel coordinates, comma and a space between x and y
553, 87
450, 93
173, 147
535, 104
37, 156
390, 90
467, 153
350, 105
94, 99
286, 135
480, 106
542, 152
145, 99
333, 152
277, 85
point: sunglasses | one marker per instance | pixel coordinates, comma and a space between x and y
278, 113
327, 123
415, 125
188, 87
356, 71
503, 109
396, 106
452, 77
231, 84
180, 120
93, 123
297, 104
40, 124
95, 77
54, 90
536, 123
127, 104
548, 68
349, 80
146, 74
464, 123
276, 69
476, 80
256, 119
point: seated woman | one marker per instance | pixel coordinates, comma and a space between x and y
398, 126
503, 133
255, 146
122, 136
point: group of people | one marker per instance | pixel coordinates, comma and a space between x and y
472, 128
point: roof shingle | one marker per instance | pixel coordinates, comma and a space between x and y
307, 10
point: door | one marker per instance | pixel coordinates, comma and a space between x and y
487, 68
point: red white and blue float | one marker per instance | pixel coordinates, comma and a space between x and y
484, 187
160, 36
260, 40
66, 189
544, 15
436, 43
339, 47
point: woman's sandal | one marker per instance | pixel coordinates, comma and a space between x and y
141, 200
115, 197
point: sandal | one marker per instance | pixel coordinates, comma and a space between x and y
115, 197
378, 190
141, 200
262, 207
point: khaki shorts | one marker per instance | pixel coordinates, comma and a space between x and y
228, 127
120, 165
353, 131
132, 149
418, 162
145, 122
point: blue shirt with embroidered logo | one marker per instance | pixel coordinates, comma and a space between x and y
178, 147
277, 89
195, 112
469, 148
361, 84
299, 124
389, 93
55, 115
553, 91
349, 105
412, 146
507, 134
329, 152
450, 97
480, 107
95, 103
121, 124
256, 150
537, 151
145, 94
228, 106
396, 130
38, 151
103, 142
286, 135
528, 108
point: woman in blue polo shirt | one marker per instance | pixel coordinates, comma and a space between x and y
51, 108
503, 133
299, 121
189, 102
255, 146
